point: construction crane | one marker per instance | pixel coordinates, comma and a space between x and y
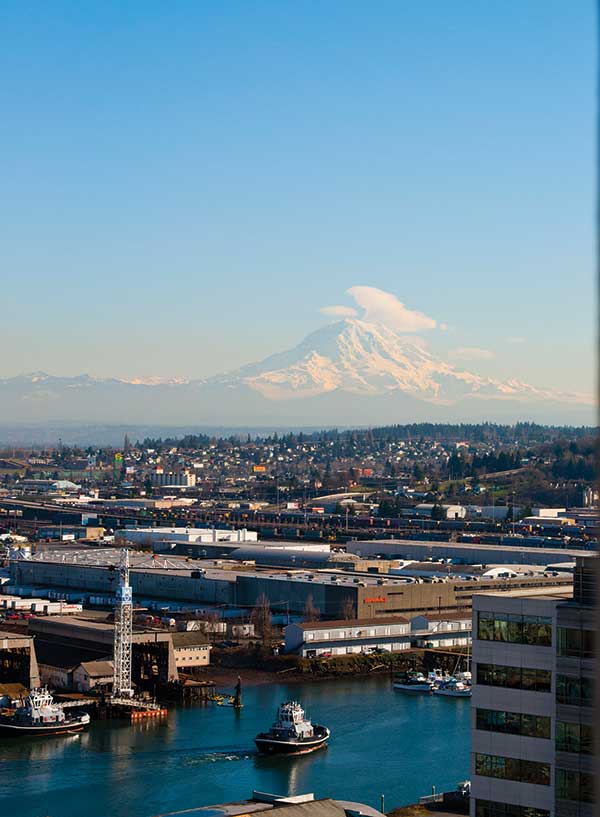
123, 629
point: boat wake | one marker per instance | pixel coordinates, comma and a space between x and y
216, 756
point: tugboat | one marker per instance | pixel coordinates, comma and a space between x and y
292, 733
37, 714
413, 682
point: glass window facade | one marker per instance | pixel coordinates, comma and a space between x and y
574, 737
491, 808
536, 680
515, 629
574, 690
576, 786
575, 643
511, 768
513, 723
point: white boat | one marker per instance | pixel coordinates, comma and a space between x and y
453, 689
438, 677
412, 682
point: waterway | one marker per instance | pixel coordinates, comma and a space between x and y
383, 741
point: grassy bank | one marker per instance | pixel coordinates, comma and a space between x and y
261, 658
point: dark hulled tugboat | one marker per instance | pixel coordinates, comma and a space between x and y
292, 733
37, 714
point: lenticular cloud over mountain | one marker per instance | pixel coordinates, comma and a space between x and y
384, 308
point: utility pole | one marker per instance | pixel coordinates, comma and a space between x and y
513, 513
123, 632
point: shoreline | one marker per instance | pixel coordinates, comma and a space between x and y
226, 677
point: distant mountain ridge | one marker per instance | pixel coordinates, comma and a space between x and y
349, 372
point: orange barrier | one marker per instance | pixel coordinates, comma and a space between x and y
148, 713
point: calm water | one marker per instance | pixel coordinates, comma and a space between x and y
383, 741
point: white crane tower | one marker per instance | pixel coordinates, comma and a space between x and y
123, 628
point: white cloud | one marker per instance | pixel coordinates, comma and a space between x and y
383, 307
515, 340
470, 353
339, 311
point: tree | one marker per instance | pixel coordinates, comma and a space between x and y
261, 617
526, 511
347, 609
418, 472
311, 612
388, 508
438, 512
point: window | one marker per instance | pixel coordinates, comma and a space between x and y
489, 808
510, 768
513, 723
574, 690
575, 643
500, 627
577, 786
485, 629
515, 629
537, 680
574, 737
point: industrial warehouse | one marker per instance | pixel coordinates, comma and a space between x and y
87, 573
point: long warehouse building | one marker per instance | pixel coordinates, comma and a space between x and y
461, 553
371, 595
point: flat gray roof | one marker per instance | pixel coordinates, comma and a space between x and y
468, 546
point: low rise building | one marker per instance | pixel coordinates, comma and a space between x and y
93, 675
345, 637
18, 660
441, 630
55, 676
68, 641
520, 552
446, 511
192, 650
172, 479
155, 536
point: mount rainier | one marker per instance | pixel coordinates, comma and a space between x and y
352, 372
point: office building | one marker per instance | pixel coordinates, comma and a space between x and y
532, 701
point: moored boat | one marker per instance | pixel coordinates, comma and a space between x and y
412, 682
38, 715
438, 677
292, 733
453, 688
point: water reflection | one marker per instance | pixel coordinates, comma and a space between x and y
381, 741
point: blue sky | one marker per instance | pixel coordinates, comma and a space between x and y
186, 184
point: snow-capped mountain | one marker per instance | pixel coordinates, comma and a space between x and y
363, 358
350, 372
